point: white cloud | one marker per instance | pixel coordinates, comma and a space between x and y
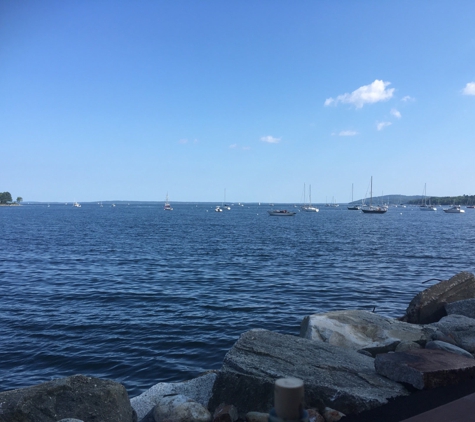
183, 141
396, 113
382, 125
233, 146
348, 133
367, 94
270, 139
469, 89
407, 98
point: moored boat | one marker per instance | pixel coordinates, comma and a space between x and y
454, 210
373, 209
281, 213
167, 206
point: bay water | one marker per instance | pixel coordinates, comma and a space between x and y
140, 295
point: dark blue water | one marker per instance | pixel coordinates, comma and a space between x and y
140, 295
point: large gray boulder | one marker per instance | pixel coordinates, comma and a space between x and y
77, 397
429, 305
339, 378
198, 389
462, 307
362, 330
457, 329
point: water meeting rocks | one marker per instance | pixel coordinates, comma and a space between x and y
429, 305
362, 330
75, 397
337, 377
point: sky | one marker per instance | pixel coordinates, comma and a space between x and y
131, 100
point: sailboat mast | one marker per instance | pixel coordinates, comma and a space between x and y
371, 193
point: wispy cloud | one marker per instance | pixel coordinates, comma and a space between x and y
270, 139
367, 94
186, 141
407, 98
382, 125
348, 133
233, 146
396, 113
469, 89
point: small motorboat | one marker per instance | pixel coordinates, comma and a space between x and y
281, 213
454, 210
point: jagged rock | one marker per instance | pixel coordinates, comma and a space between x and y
225, 413
458, 329
442, 345
462, 307
177, 408
198, 389
70, 420
361, 330
425, 369
257, 417
341, 378
332, 415
407, 345
429, 305
76, 397
315, 416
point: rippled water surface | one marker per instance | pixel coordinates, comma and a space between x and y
140, 295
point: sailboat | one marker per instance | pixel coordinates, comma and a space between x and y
353, 207
424, 206
308, 208
167, 206
373, 209
225, 206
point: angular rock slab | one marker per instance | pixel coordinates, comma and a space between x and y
339, 378
76, 397
362, 330
425, 369
429, 305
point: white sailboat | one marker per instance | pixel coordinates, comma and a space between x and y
373, 209
425, 206
308, 208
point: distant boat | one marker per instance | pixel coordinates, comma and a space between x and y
454, 210
353, 207
77, 205
225, 206
308, 208
373, 209
218, 209
281, 213
424, 206
167, 206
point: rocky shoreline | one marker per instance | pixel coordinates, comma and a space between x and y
352, 363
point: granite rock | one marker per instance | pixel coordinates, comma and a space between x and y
425, 368
340, 378
429, 305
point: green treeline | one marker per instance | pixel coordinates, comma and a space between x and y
5, 197
446, 200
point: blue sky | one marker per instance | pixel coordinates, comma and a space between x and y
129, 100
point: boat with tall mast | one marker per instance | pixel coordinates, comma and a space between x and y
308, 207
424, 206
167, 206
371, 209
353, 207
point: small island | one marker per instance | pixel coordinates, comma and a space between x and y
6, 199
